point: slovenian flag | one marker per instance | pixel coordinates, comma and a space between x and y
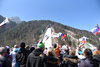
95, 30
83, 40
63, 36
4, 22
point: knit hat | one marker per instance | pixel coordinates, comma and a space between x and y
54, 45
7, 47
40, 45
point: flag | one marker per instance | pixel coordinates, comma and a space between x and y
4, 22
83, 40
63, 36
95, 30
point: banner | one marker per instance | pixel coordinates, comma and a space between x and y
95, 30
4, 22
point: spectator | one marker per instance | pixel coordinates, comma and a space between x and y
27, 48
88, 61
60, 57
7, 52
96, 55
52, 59
66, 51
4, 61
37, 58
21, 56
80, 56
56, 50
67, 63
13, 56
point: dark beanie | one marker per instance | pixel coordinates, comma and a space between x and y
54, 45
22, 45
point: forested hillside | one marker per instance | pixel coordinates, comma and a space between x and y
29, 32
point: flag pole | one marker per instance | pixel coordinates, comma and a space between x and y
97, 37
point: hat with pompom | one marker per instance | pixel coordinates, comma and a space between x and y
40, 45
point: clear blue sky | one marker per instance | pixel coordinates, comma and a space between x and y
81, 14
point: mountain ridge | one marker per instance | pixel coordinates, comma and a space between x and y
30, 31
15, 19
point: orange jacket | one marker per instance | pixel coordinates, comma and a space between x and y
56, 50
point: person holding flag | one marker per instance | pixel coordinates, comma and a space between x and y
56, 50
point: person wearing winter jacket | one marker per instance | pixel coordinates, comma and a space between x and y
88, 61
96, 55
52, 60
7, 54
67, 63
21, 56
37, 58
56, 50
66, 51
13, 56
4, 61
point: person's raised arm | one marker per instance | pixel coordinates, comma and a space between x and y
57, 45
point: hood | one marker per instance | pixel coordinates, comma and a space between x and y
72, 56
96, 55
22, 50
37, 52
52, 58
15, 49
72, 60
